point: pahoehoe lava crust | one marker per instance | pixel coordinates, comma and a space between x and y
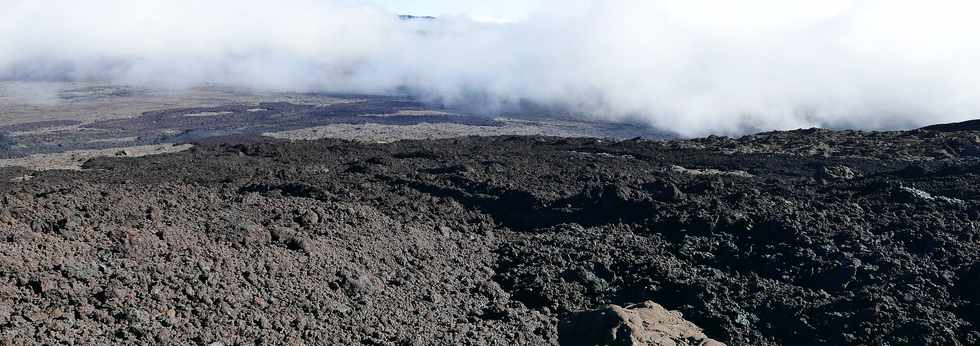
807, 237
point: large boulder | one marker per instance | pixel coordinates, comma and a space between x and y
839, 172
644, 324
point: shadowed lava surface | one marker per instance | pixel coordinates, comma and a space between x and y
806, 237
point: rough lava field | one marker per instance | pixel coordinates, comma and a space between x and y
806, 237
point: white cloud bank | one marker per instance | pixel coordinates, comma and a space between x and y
694, 67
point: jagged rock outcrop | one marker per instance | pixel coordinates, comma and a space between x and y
644, 324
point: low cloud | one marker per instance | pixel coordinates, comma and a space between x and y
693, 67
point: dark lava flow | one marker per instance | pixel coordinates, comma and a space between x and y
188, 124
809, 237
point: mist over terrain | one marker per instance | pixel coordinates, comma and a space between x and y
695, 68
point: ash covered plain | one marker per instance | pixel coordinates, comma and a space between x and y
315, 219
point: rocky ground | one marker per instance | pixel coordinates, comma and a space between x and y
808, 237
